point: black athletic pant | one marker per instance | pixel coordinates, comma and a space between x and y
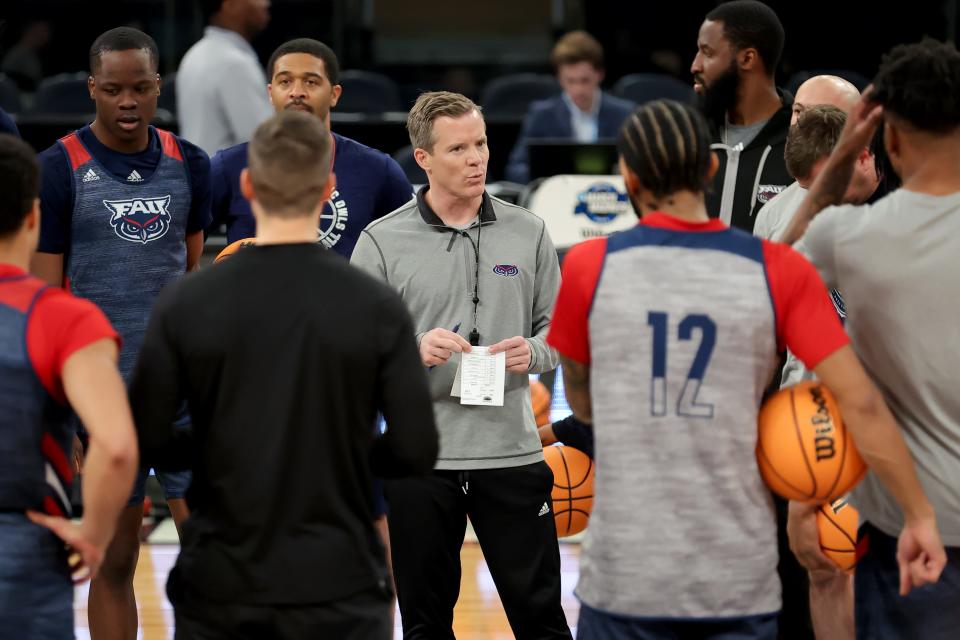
794, 619
428, 518
362, 616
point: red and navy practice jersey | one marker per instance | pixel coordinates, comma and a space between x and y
681, 324
40, 328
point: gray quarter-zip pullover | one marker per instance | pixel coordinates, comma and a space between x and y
435, 267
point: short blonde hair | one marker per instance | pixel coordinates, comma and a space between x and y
813, 137
430, 106
289, 163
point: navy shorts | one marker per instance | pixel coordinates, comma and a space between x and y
600, 625
931, 612
36, 593
174, 484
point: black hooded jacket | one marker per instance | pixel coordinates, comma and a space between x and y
750, 177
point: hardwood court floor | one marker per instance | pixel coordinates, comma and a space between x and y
479, 614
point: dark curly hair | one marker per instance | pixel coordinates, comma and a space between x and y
920, 83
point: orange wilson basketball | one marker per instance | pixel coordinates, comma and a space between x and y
540, 398
233, 247
803, 450
837, 524
572, 488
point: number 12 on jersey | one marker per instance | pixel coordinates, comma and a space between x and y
687, 404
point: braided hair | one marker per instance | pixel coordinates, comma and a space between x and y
667, 145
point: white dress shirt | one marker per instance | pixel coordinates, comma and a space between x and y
584, 124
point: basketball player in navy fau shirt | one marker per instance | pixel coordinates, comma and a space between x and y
57, 353
304, 75
124, 207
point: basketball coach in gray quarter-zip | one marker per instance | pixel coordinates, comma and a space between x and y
473, 270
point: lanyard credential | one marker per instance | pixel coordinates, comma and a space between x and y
475, 333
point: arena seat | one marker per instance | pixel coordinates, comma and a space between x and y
511, 95
168, 93
644, 87
404, 157
9, 95
65, 93
368, 92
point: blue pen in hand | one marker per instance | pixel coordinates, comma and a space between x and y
456, 328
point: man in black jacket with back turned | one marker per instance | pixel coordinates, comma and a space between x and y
738, 48
285, 354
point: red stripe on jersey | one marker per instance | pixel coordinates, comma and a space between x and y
57, 457
169, 144
61, 324
77, 153
17, 288
52, 507
807, 322
569, 331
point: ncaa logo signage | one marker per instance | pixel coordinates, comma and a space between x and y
140, 219
574, 208
602, 203
506, 270
333, 220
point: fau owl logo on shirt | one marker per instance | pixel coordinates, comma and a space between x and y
140, 219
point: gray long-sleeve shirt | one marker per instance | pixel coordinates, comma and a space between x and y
221, 91
434, 268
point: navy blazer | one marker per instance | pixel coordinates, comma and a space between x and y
7, 125
551, 119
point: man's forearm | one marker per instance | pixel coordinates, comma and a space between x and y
831, 605
881, 445
576, 383
874, 430
194, 242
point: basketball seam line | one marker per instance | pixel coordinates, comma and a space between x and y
803, 451
566, 470
773, 469
839, 528
843, 460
